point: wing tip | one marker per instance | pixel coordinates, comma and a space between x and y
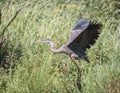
96, 24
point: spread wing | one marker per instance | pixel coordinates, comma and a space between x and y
80, 27
86, 38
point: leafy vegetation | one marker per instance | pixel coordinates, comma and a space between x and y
29, 67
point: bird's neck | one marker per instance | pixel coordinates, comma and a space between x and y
53, 48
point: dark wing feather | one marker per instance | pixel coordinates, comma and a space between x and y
81, 25
85, 39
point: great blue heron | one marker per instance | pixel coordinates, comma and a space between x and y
82, 36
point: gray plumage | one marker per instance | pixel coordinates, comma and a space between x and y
81, 37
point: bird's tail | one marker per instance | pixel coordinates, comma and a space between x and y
84, 57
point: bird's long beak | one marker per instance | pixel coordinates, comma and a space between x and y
44, 41
39, 41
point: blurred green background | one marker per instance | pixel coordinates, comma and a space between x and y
29, 67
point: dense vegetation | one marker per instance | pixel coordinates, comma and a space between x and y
28, 67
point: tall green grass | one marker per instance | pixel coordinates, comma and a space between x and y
34, 69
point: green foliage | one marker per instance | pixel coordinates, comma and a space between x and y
32, 68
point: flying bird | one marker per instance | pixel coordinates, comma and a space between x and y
82, 36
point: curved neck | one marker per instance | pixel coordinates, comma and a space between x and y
54, 50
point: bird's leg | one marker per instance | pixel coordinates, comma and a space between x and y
1, 41
79, 72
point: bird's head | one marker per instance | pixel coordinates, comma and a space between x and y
50, 42
46, 41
